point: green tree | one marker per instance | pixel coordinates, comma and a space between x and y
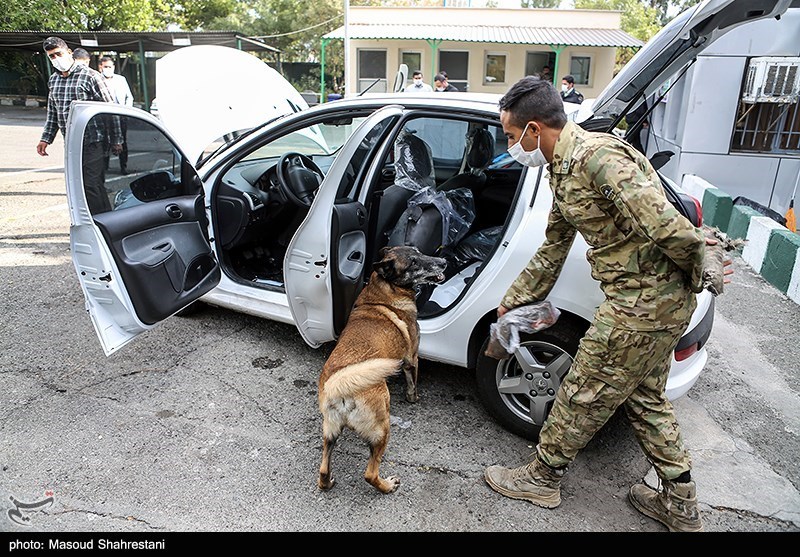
667, 9
638, 20
539, 3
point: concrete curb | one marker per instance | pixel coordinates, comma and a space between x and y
771, 249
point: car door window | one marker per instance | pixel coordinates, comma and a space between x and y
154, 168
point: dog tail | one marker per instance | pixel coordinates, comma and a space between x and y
357, 377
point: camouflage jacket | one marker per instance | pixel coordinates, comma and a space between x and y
647, 257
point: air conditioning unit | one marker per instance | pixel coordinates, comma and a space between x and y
772, 79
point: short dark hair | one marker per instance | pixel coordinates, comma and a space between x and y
532, 98
416, 73
106, 59
81, 53
52, 43
569, 79
440, 77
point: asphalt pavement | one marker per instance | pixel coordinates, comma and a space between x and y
210, 423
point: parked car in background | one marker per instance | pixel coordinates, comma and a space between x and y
283, 219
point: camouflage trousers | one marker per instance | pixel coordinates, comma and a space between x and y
614, 367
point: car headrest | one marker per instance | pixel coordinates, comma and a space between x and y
413, 162
480, 144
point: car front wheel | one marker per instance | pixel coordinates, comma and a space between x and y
519, 391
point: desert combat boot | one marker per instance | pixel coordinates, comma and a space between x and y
675, 505
535, 482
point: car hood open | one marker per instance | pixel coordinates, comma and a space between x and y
678, 43
205, 92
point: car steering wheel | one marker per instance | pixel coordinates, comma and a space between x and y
299, 178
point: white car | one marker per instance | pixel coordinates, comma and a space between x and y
284, 219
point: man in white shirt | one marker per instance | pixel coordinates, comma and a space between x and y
121, 92
419, 85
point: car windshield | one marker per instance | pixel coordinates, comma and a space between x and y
322, 138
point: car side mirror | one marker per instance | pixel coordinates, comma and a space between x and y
661, 158
155, 185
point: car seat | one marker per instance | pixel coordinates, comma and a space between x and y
413, 165
480, 153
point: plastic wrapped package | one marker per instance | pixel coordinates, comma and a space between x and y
413, 162
476, 246
715, 256
504, 335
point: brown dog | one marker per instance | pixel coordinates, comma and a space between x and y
381, 338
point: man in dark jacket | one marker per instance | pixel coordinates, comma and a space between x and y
568, 92
440, 84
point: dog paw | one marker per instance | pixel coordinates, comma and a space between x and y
325, 484
392, 483
412, 396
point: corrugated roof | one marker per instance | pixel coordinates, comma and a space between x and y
507, 34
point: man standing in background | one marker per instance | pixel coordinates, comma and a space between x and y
121, 92
81, 56
75, 82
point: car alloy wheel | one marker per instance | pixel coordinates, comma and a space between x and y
520, 390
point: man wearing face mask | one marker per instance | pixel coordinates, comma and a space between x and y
442, 85
76, 82
568, 92
418, 85
121, 92
648, 259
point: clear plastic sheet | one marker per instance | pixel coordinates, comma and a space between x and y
504, 335
715, 256
413, 162
456, 208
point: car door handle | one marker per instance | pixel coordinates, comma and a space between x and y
174, 211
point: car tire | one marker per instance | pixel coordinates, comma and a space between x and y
192, 309
519, 392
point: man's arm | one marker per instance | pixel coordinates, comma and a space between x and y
50, 124
539, 277
616, 174
128, 97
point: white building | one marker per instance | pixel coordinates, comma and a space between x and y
484, 50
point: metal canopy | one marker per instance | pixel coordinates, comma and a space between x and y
492, 34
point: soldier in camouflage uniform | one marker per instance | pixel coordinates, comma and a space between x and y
649, 261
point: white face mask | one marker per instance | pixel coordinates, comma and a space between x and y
63, 63
527, 158
440, 88
564, 88
108, 72
417, 81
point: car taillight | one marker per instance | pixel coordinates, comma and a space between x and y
699, 208
681, 355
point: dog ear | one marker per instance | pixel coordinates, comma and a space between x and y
383, 251
385, 269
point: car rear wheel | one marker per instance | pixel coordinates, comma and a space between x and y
519, 391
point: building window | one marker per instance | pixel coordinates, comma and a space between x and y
456, 64
495, 68
536, 61
579, 68
414, 62
372, 70
768, 116
765, 127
